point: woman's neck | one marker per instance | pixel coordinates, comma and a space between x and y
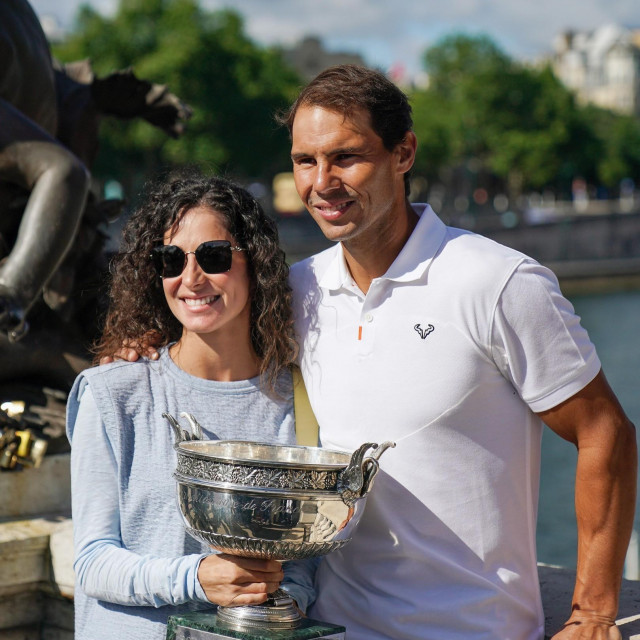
215, 359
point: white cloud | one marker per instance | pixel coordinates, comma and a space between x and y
65, 10
388, 32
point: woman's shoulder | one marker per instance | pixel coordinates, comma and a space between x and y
117, 378
120, 370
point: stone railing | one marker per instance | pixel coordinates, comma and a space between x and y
36, 551
556, 584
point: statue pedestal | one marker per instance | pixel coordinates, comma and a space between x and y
205, 626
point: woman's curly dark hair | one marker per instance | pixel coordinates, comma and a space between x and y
138, 310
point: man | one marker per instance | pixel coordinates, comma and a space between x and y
458, 349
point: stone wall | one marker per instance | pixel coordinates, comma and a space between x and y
36, 552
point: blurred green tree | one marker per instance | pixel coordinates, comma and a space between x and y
515, 123
233, 86
621, 137
543, 138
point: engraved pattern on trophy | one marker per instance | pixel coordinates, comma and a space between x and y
266, 549
257, 476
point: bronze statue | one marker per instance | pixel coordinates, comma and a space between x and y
49, 219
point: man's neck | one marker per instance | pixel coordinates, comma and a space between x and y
372, 259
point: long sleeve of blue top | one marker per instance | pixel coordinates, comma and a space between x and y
104, 568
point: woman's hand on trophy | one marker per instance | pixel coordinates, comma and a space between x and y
233, 581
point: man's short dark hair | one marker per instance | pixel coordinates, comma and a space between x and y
348, 88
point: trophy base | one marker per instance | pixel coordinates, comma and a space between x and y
208, 626
278, 612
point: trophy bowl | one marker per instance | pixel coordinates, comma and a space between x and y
271, 501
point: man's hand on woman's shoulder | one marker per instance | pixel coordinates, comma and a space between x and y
132, 350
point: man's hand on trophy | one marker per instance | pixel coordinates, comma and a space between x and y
232, 580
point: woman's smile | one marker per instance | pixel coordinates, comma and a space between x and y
200, 302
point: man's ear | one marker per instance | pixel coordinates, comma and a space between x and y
406, 152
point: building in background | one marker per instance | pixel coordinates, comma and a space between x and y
602, 66
309, 57
52, 28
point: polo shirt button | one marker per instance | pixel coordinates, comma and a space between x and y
368, 317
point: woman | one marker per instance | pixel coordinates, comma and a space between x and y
201, 269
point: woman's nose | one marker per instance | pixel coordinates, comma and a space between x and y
192, 272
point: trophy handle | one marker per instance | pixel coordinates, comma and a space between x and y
196, 429
180, 434
355, 481
371, 465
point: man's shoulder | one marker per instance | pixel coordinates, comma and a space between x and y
303, 273
479, 268
472, 251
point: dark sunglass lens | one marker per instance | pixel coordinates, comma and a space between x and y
168, 260
214, 256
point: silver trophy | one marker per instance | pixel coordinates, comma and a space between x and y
269, 501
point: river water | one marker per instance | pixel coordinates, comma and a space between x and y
613, 322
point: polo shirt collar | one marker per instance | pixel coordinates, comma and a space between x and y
412, 261
337, 275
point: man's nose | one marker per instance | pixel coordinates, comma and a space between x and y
325, 177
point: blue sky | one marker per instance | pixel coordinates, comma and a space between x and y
396, 32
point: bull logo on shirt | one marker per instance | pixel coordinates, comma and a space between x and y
424, 332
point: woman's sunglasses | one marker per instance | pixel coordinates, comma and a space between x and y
213, 256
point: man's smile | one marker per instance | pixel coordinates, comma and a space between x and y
332, 211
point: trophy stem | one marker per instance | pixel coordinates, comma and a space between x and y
278, 612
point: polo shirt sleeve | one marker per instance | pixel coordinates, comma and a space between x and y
537, 340
104, 568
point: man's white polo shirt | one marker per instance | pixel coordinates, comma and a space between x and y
449, 354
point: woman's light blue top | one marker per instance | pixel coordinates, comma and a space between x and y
135, 564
